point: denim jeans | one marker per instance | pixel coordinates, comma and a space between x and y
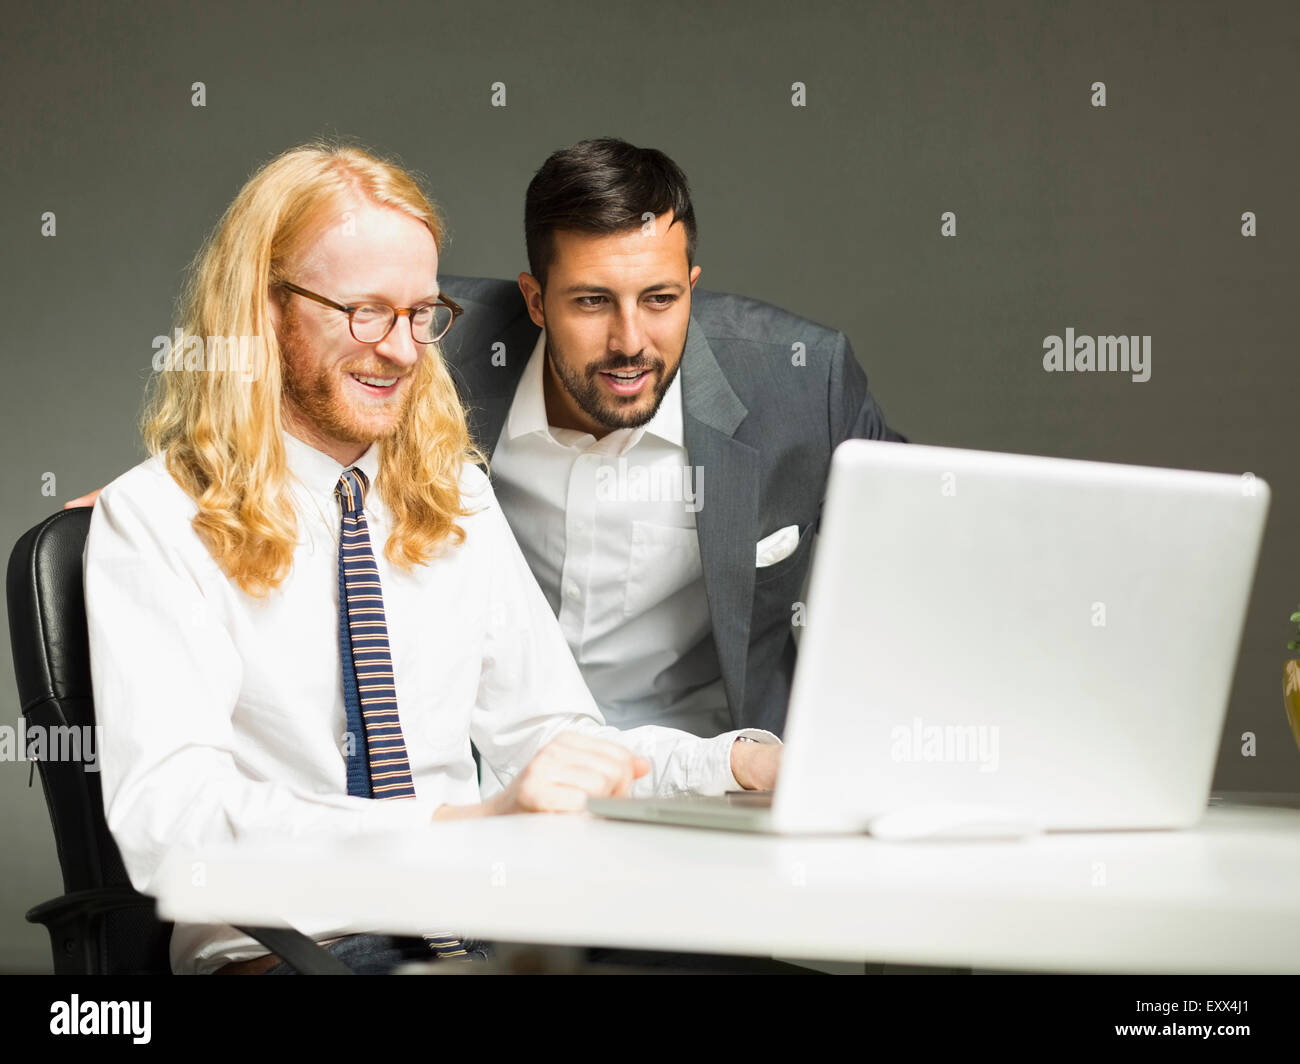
380, 954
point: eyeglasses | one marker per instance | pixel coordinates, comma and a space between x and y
371, 322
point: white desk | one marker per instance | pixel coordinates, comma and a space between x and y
1223, 898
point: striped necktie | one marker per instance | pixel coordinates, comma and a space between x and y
377, 766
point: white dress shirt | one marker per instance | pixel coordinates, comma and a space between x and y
608, 528
223, 715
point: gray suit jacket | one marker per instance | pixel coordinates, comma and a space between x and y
761, 428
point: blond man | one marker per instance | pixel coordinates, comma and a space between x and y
306, 604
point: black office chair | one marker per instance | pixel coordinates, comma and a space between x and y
101, 925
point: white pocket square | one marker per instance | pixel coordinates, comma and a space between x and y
779, 545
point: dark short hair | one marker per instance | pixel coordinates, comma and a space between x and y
602, 186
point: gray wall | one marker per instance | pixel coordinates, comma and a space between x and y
1123, 219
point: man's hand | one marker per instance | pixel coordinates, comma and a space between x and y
85, 500
755, 765
567, 770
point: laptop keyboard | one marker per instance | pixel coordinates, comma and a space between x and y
748, 799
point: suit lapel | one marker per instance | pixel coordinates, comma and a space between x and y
728, 511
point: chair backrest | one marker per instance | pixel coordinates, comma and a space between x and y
47, 628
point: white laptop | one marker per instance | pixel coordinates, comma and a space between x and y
1000, 644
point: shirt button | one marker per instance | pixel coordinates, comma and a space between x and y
580, 526
572, 591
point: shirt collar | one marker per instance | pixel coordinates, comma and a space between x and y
319, 473
528, 409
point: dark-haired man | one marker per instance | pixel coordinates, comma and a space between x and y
660, 453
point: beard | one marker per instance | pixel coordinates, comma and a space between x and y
317, 396
616, 412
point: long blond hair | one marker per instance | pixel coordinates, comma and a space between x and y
220, 432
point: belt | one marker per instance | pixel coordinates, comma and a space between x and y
258, 965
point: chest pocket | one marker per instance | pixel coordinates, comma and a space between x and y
662, 560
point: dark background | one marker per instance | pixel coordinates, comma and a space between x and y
1117, 220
